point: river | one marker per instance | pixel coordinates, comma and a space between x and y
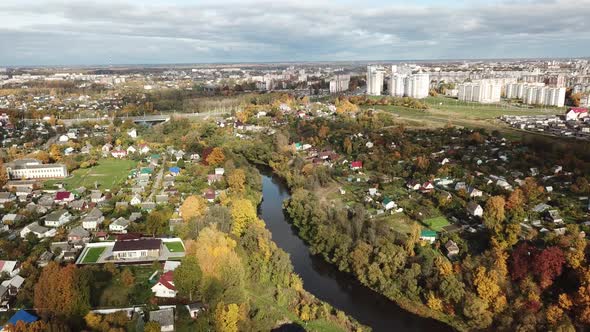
324, 280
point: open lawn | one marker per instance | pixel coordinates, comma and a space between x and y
174, 246
93, 254
443, 111
436, 223
108, 173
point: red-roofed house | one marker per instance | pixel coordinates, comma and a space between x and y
63, 197
165, 286
119, 154
356, 165
576, 113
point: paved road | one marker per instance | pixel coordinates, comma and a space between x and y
158, 181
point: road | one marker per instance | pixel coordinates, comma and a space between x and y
157, 181
148, 118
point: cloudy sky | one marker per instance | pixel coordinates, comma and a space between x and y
52, 32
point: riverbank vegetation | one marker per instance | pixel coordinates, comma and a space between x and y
514, 252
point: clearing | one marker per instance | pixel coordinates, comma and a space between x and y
108, 173
436, 223
174, 246
92, 254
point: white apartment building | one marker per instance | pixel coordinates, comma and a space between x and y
516, 90
542, 95
34, 169
375, 76
417, 85
339, 83
414, 86
482, 91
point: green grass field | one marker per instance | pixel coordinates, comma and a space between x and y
93, 254
436, 223
174, 246
108, 173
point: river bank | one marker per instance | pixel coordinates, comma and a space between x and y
325, 281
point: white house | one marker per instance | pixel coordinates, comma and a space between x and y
165, 286
93, 219
119, 226
131, 149
57, 218
39, 231
136, 200
132, 133
474, 209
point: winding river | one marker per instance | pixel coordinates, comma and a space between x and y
326, 282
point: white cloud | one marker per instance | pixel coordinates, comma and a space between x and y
126, 31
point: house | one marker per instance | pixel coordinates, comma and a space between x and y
427, 187
38, 230
132, 133
219, 171
428, 235
174, 171
13, 285
164, 317
63, 197
356, 165
553, 216
541, 207
212, 178
576, 113
6, 197
474, 209
144, 149
143, 249
452, 248
78, 235
12, 219
11, 268
120, 226
413, 185
119, 154
78, 205
96, 196
474, 192
165, 286
57, 218
106, 148
195, 309
210, 195
136, 200
44, 259
20, 316
162, 199
171, 265
460, 185
388, 204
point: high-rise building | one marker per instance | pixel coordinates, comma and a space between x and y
482, 91
396, 85
414, 86
375, 76
542, 95
339, 83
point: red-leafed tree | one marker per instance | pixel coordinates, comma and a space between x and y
548, 265
521, 260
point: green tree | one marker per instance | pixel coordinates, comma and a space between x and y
187, 277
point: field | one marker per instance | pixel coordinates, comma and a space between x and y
93, 254
443, 111
174, 246
108, 173
436, 223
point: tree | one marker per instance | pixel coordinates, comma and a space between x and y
494, 213
226, 317
243, 213
548, 265
213, 249
3, 175
55, 152
532, 190
187, 277
193, 207
62, 292
237, 180
216, 157
152, 326
157, 222
515, 200
127, 277
433, 302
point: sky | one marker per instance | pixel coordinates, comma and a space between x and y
110, 32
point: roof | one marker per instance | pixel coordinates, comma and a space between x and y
356, 164
139, 244
24, 316
165, 316
93, 214
61, 195
427, 233
579, 109
56, 215
167, 280
7, 266
79, 231
174, 169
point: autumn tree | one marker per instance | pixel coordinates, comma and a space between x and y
62, 292
237, 180
494, 213
193, 207
213, 249
157, 222
226, 317
243, 213
347, 145
532, 190
55, 152
127, 277
152, 326
3, 175
216, 157
187, 277
548, 265
515, 200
